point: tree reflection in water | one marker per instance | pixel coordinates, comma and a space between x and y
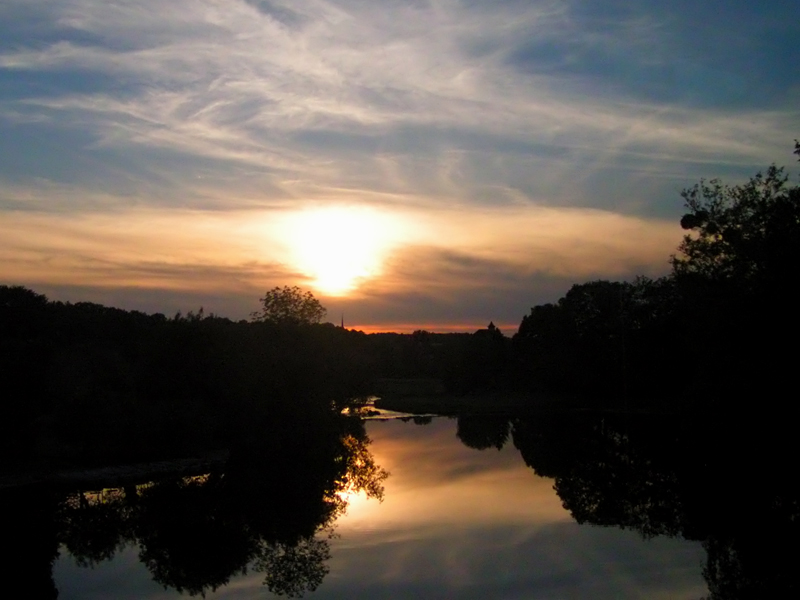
481, 432
725, 481
271, 509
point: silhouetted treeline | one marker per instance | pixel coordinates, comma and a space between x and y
717, 332
88, 383
461, 362
606, 340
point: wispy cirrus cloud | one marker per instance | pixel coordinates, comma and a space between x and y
490, 113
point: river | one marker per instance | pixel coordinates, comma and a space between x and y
454, 522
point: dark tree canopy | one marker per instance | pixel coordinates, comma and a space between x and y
747, 235
289, 306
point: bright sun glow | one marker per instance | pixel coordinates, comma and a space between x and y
340, 247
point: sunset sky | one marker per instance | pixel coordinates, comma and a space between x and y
415, 164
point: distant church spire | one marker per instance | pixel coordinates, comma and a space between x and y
342, 320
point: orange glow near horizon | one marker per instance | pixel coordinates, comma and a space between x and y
377, 258
508, 329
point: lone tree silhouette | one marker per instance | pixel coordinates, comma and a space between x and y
289, 306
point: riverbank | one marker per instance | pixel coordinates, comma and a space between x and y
116, 475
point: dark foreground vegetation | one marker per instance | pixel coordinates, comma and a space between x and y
717, 333
87, 384
717, 328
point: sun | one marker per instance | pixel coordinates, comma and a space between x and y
340, 247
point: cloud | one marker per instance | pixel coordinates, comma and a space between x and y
463, 266
397, 97
475, 118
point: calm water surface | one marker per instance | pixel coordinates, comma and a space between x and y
455, 522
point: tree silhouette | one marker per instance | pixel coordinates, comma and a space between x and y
734, 278
289, 306
747, 234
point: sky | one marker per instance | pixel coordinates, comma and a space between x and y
414, 164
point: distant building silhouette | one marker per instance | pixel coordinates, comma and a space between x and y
491, 331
